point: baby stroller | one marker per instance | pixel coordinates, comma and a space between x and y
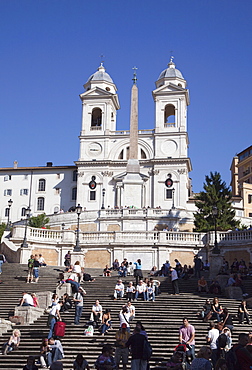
182, 349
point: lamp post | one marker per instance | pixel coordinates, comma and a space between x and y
103, 196
173, 193
216, 249
8, 221
27, 213
78, 210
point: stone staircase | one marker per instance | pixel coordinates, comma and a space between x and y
161, 318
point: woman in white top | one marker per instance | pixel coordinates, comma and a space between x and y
130, 291
13, 342
78, 270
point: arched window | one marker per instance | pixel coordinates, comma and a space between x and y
56, 209
74, 193
143, 154
41, 204
23, 213
96, 117
41, 185
169, 115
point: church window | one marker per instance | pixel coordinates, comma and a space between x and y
250, 198
74, 193
41, 185
23, 212
7, 177
75, 174
92, 195
41, 204
179, 85
169, 115
8, 192
7, 212
96, 120
56, 209
23, 191
168, 193
143, 155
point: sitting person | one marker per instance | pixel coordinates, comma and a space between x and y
150, 292
130, 291
122, 272
119, 290
13, 342
239, 283
115, 265
243, 313
106, 322
96, 314
106, 271
42, 262
217, 310
206, 312
80, 363
227, 319
156, 285
130, 269
56, 351
131, 309
215, 287
44, 350
231, 280
66, 303
202, 285
184, 273
175, 362
26, 300
106, 361
141, 290
73, 280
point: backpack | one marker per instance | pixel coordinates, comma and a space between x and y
222, 341
147, 350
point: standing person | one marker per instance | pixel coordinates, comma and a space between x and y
136, 343
212, 337
243, 313
122, 352
78, 301
36, 266
197, 266
53, 316
138, 270
238, 357
56, 351
66, 303
30, 269
124, 317
67, 262
174, 280
2, 260
186, 336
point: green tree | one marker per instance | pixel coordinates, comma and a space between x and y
2, 228
215, 194
38, 221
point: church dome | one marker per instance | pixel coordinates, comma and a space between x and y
171, 72
100, 75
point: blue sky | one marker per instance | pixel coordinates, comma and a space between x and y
49, 48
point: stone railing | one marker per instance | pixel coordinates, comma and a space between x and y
174, 238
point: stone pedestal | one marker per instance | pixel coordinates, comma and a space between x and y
216, 261
233, 292
78, 256
5, 325
44, 299
65, 288
29, 313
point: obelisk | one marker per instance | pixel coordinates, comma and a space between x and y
133, 163
133, 182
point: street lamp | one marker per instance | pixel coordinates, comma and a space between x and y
173, 193
216, 249
27, 213
8, 222
103, 196
78, 210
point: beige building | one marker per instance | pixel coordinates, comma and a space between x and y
241, 181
